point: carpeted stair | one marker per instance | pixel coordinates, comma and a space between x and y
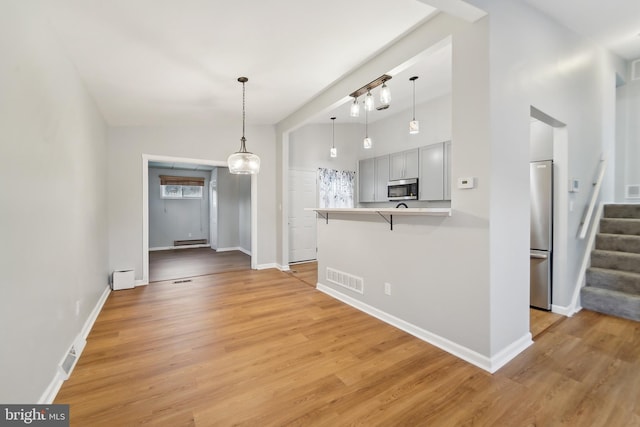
613, 280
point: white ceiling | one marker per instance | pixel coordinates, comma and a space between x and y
176, 62
164, 62
614, 24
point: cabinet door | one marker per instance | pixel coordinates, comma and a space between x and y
447, 170
411, 163
366, 181
396, 166
382, 178
431, 182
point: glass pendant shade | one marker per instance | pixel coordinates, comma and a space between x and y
414, 127
355, 108
385, 94
334, 152
367, 143
243, 162
368, 102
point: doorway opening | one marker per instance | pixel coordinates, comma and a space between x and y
198, 219
548, 147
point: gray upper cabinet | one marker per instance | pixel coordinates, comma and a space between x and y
382, 178
431, 181
373, 176
431, 164
404, 165
366, 180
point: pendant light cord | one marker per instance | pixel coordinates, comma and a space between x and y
366, 123
413, 79
243, 106
333, 132
414, 100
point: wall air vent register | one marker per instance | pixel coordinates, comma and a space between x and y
345, 280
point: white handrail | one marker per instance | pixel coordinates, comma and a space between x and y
594, 199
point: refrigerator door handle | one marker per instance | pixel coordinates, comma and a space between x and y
538, 255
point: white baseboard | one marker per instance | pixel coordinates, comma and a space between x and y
283, 267
267, 266
78, 344
565, 310
167, 248
490, 364
234, 248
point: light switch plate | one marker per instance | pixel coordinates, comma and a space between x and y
466, 182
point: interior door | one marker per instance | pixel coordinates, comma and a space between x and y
302, 224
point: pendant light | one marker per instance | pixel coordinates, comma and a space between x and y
368, 101
366, 143
414, 125
385, 95
355, 108
243, 162
333, 152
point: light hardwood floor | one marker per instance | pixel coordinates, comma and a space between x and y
261, 348
180, 263
307, 272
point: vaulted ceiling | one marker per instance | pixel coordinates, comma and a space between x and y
176, 62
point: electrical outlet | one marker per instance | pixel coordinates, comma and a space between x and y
387, 288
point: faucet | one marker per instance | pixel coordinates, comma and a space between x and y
401, 204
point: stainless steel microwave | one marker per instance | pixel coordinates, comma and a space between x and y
403, 189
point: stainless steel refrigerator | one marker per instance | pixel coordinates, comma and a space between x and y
541, 181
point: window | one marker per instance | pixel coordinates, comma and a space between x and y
181, 187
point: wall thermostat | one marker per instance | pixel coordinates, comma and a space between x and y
574, 185
466, 182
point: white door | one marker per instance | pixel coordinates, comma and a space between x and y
302, 224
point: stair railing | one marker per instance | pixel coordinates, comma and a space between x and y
586, 222
585, 225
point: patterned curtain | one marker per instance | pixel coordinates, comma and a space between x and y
336, 188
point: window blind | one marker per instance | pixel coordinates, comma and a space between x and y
181, 180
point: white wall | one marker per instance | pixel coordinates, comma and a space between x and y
176, 219
627, 161
125, 148
309, 147
53, 222
391, 134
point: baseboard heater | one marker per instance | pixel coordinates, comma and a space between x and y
189, 242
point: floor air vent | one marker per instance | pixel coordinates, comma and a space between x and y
69, 361
346, 280
182, 281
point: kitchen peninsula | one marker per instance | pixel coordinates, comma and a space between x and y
386, 213
409, 275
